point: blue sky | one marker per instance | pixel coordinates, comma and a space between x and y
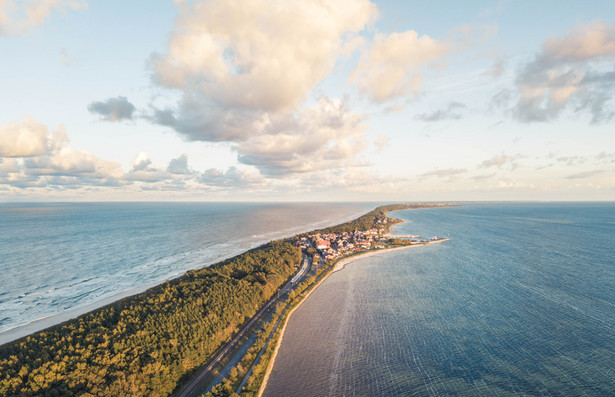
284, 101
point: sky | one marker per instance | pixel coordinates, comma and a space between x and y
312, 100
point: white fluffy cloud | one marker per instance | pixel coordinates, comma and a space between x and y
29, 138
583, 43
571, 71
325, 136
245, 70
19, 16
256, 54
8, 166
33, 157
36, 156
67, 161
141, 162
392, 67
141, 169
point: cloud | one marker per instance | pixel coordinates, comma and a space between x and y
494, 10
141, 162
393, 66
577, 160
586, 174
497, 69
466, 37
381, 142
571, 160
569, 72
449, 113
245, 70
254, 54
501, 100
29, 138
35, 158
8, 166
324, 136
444, 173
606, 157
19, 16
70, 162
179, 165
500, 161
113, 109
583, 43
482, 176
175, 176
141, 169
38, 157
233, 177
352, 179
512, 184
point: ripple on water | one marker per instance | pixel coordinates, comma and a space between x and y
504, 308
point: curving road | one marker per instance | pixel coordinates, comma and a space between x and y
194, 387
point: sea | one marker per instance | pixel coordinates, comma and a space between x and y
519, 302
58, 260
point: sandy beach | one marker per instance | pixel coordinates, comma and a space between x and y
338, 266
342, 263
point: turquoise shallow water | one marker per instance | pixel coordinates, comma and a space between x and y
56, 257
520, 301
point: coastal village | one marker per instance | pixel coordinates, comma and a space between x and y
335, 245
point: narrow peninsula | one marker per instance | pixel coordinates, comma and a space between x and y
213, 330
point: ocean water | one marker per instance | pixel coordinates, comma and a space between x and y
56, 257
520, 302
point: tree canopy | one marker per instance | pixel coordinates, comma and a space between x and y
146, 344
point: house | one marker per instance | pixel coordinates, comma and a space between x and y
322, 244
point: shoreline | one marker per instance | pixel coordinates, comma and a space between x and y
133, 319
340, 265
51, 320
345, 261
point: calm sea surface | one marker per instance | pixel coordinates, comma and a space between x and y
520, 302
56, 257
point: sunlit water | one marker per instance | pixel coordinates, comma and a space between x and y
520, 301
56, 257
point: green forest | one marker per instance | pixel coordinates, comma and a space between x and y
148, 343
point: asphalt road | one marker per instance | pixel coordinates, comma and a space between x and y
194, 387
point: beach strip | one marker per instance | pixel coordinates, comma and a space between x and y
341, 264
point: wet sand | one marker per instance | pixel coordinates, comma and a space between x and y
342, 263
339, 266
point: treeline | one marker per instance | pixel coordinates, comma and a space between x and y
375, 218
230, 384
147, 344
